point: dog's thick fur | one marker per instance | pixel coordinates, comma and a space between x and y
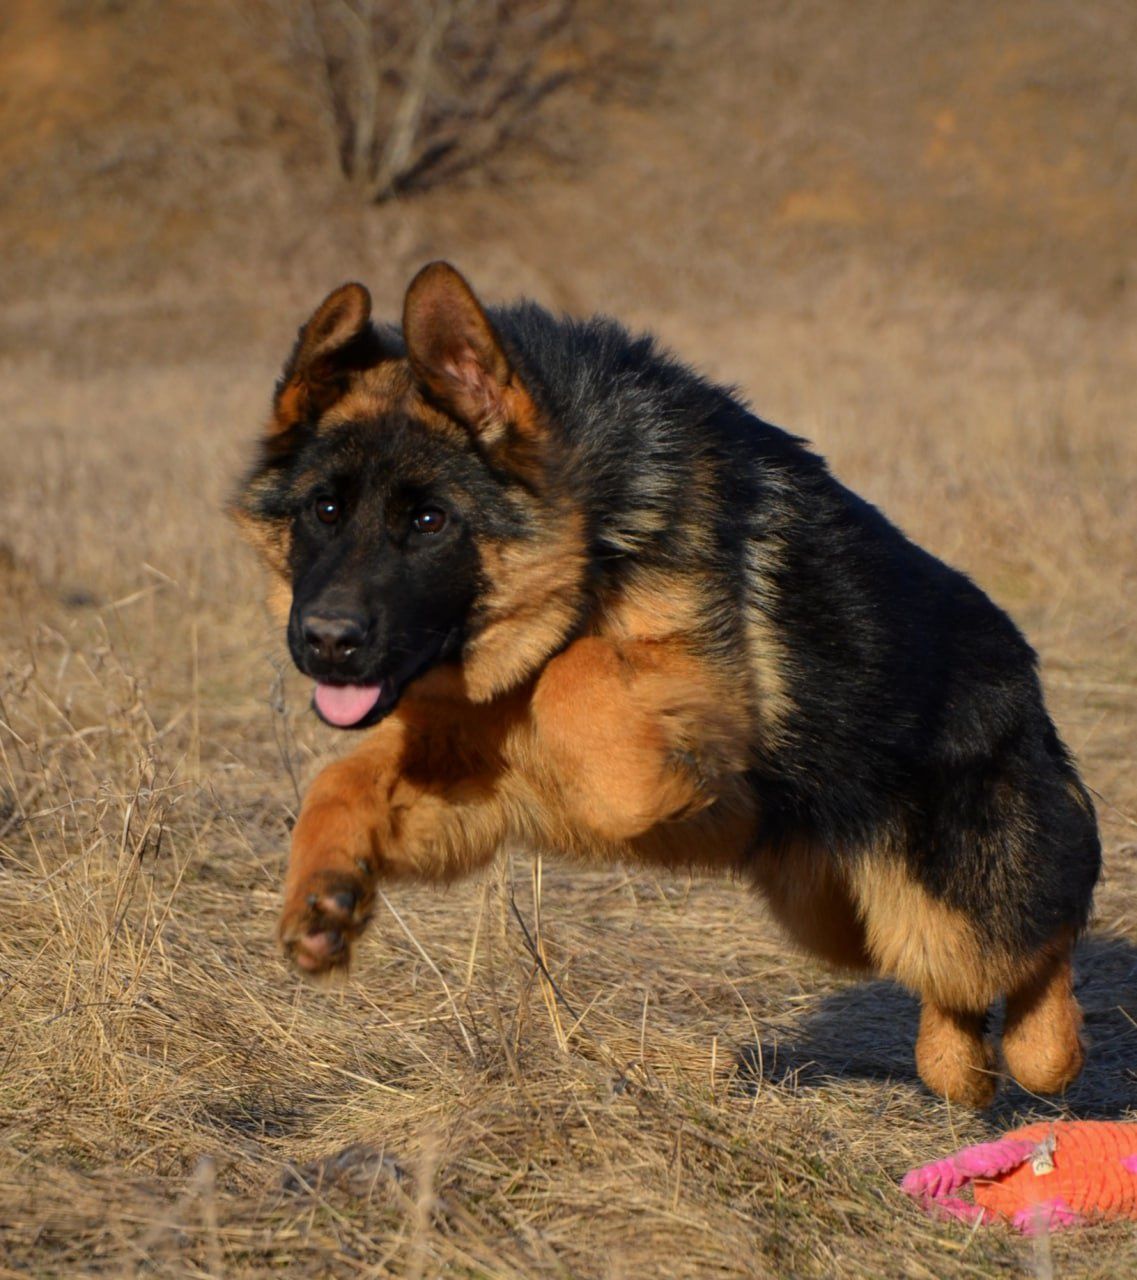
610, 612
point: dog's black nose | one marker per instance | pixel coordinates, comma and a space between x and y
333, 639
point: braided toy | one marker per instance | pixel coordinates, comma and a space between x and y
1042, 1177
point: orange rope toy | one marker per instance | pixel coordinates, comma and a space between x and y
1039, 1178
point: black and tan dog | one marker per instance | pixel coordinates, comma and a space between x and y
579, 596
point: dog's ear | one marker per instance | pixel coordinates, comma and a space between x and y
337, 341
457, 357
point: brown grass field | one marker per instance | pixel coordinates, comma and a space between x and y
909, 236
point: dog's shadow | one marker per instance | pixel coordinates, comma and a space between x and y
868, 1032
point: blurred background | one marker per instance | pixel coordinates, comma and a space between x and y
730, 170
906, 231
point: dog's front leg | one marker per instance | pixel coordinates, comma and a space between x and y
402, 805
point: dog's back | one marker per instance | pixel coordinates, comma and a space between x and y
888, 703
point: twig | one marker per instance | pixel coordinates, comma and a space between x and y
1109, 804
531, 947
404, 127
282, 732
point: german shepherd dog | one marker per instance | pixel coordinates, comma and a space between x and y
579, 596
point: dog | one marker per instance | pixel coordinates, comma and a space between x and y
582, 597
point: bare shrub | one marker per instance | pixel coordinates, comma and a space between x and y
420, 92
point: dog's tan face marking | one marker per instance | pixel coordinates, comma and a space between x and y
337, 340
531, 603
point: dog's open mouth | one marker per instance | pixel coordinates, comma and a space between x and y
359, 706
347, 706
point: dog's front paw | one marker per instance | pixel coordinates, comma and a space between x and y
322, 918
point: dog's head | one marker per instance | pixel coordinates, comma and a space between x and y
405, 497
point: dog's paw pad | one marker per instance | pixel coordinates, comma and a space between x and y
315, 952
317, 929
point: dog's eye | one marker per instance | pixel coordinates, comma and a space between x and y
429, 520
327, 510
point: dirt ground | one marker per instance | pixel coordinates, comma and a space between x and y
907, 232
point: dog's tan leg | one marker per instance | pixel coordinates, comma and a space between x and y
811, 901
934, 950
406, 803
954, 1057
1042, 1044
635, 732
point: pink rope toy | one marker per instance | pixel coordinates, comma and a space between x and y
1042, 1177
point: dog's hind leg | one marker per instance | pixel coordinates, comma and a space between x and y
812, 902
1042, 1044
934, 950
953, 1055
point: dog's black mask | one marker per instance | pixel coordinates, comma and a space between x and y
384, 561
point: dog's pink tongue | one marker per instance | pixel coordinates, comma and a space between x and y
346, 704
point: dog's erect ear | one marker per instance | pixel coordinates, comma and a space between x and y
338, 340
458, 358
